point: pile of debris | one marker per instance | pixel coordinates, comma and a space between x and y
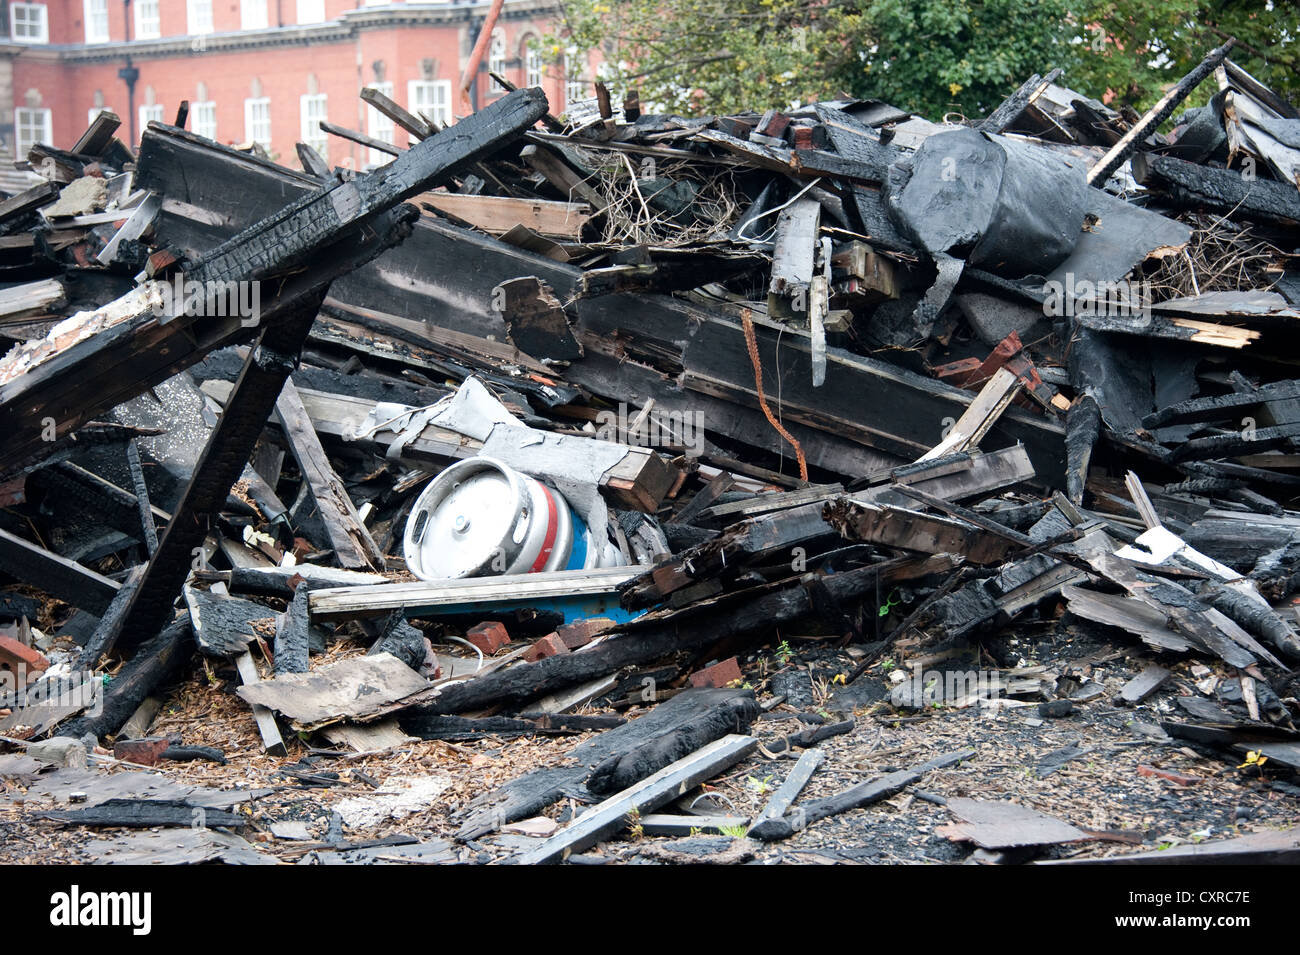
572, 427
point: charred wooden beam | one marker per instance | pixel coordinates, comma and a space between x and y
160, 660
743, 613
57, 576
1193, 186
223, 460
1011, 108
1156, 115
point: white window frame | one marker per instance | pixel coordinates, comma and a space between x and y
93, 114
148, 28
96, 21
35, 19
311, 11
431, 97
534, 69
312, 108
379, 126
575, 90
150, 112
497, 60
203, 119
29, 118
254, 15
198, 17
251, 122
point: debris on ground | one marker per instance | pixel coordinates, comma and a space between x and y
829, 485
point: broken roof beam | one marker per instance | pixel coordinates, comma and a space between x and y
1194, 186
280, 242
1011, 108
1157, 114
57, 576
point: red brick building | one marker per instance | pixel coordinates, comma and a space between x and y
260, 70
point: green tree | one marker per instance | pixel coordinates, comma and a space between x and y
930, 56
1135, 50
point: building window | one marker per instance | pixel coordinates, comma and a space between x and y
257, 121
575, 88
311, 11
380, 126
200, 16
31, 126
96, 21
432, 98
203, 119
497, 58
150, 114
314, 112
252, 15
532, 68
93, 114
28, 23
148, 23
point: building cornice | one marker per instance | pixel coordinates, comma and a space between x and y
345, 28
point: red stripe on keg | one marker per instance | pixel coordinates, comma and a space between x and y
552, 528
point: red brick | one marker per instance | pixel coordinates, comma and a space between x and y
16, 657
147, 751
549, 646
582, 632
720, 674
489, 636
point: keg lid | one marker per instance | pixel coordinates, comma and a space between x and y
463, 519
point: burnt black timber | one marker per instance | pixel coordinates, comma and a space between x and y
14, 210
398, 638
184, 754
98, 134
115, 506
855, 141
426, 280
1157, 114
142, 497
1193, 186
1221, 407
1244, 81
159, 661
617, 772
291, 236
810, 737
292, 642
1082, 427
863, 794
57, 576
530, 793
1011, 108
1235, 443
704, 497
110, 623
331, 228
464, 728
218, 468
1259, 619
145, 814
751, 612
121, 362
